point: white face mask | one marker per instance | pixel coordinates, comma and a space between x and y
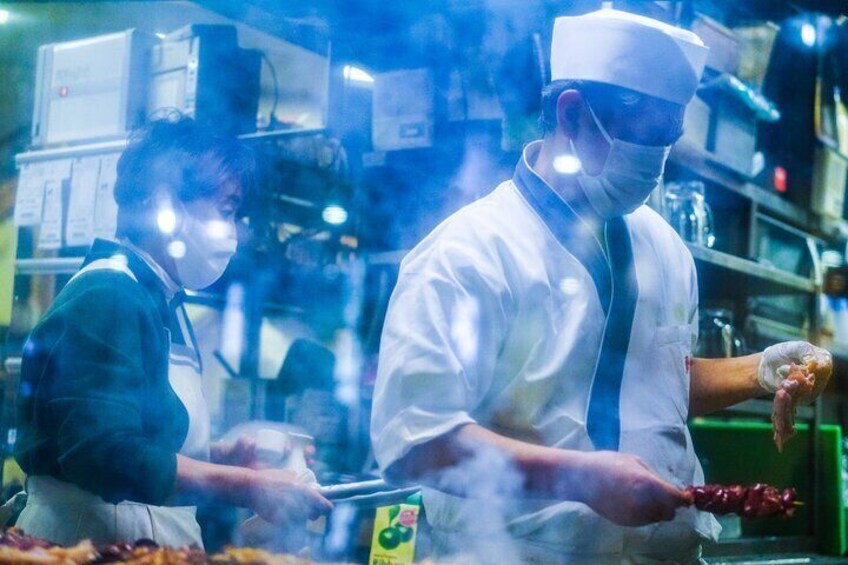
630, 173
209, 246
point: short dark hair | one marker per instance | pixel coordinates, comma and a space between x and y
595, 91
186, 158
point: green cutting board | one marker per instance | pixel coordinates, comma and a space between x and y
741, 452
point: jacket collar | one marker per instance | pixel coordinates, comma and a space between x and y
147, 278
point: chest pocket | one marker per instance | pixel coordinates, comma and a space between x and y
674, 348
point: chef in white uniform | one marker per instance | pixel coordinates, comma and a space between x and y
536, 369
113, 427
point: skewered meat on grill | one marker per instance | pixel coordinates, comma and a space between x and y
758, 501
17, 539
18, 548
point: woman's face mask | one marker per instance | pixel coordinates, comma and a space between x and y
209, 246
630, 173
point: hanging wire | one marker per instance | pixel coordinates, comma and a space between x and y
273, 118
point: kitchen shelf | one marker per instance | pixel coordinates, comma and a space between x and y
735, 273
118, 145
838, 349
70, 151
708, 167
761, 407
48, 266
774, 330
760, 546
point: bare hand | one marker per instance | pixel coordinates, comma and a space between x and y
242, 453
278, 497
624, 490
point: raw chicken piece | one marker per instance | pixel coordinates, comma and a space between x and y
799, 383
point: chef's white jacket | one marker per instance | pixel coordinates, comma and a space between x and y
508, 315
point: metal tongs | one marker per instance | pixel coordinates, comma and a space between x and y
367, 494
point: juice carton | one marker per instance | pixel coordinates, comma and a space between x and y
393, 542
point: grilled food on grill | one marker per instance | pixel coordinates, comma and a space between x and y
18, 548
79, 554
758, 501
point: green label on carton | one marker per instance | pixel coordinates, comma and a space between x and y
393, 542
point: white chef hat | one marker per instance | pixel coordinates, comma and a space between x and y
630, 51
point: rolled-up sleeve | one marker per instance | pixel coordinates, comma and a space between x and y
438, 353
91, 394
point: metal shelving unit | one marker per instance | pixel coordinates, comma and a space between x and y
48, 266
117, 145
708, 167
757, 277
759, 407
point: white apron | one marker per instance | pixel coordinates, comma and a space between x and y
64, 513
499, 319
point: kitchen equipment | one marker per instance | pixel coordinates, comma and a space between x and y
784, 247
201, 71
743, 452
277, 445
830, 158
717, 335
367, 494
736, 109
723, 44
90, 89
404, 110
696, 122
755, 46
687, 212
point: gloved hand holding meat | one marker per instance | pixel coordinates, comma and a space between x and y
796, 372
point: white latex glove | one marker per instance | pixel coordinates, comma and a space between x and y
774, 364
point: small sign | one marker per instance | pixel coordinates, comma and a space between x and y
29, 199
50, 235
105, 207
81, 206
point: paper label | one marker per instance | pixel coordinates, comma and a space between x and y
105, 208
50, 235
393, 542
29, 199
81, 204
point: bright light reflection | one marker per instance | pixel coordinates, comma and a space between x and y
4, 16
166, 220
119, 258
356, 74
464, 330
218, 229
232, 325
808, 34
569, 286
566, 164
334, 214
177, 249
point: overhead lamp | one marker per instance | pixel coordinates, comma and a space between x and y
808, 34
334, 214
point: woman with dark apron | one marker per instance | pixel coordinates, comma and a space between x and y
113, 427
